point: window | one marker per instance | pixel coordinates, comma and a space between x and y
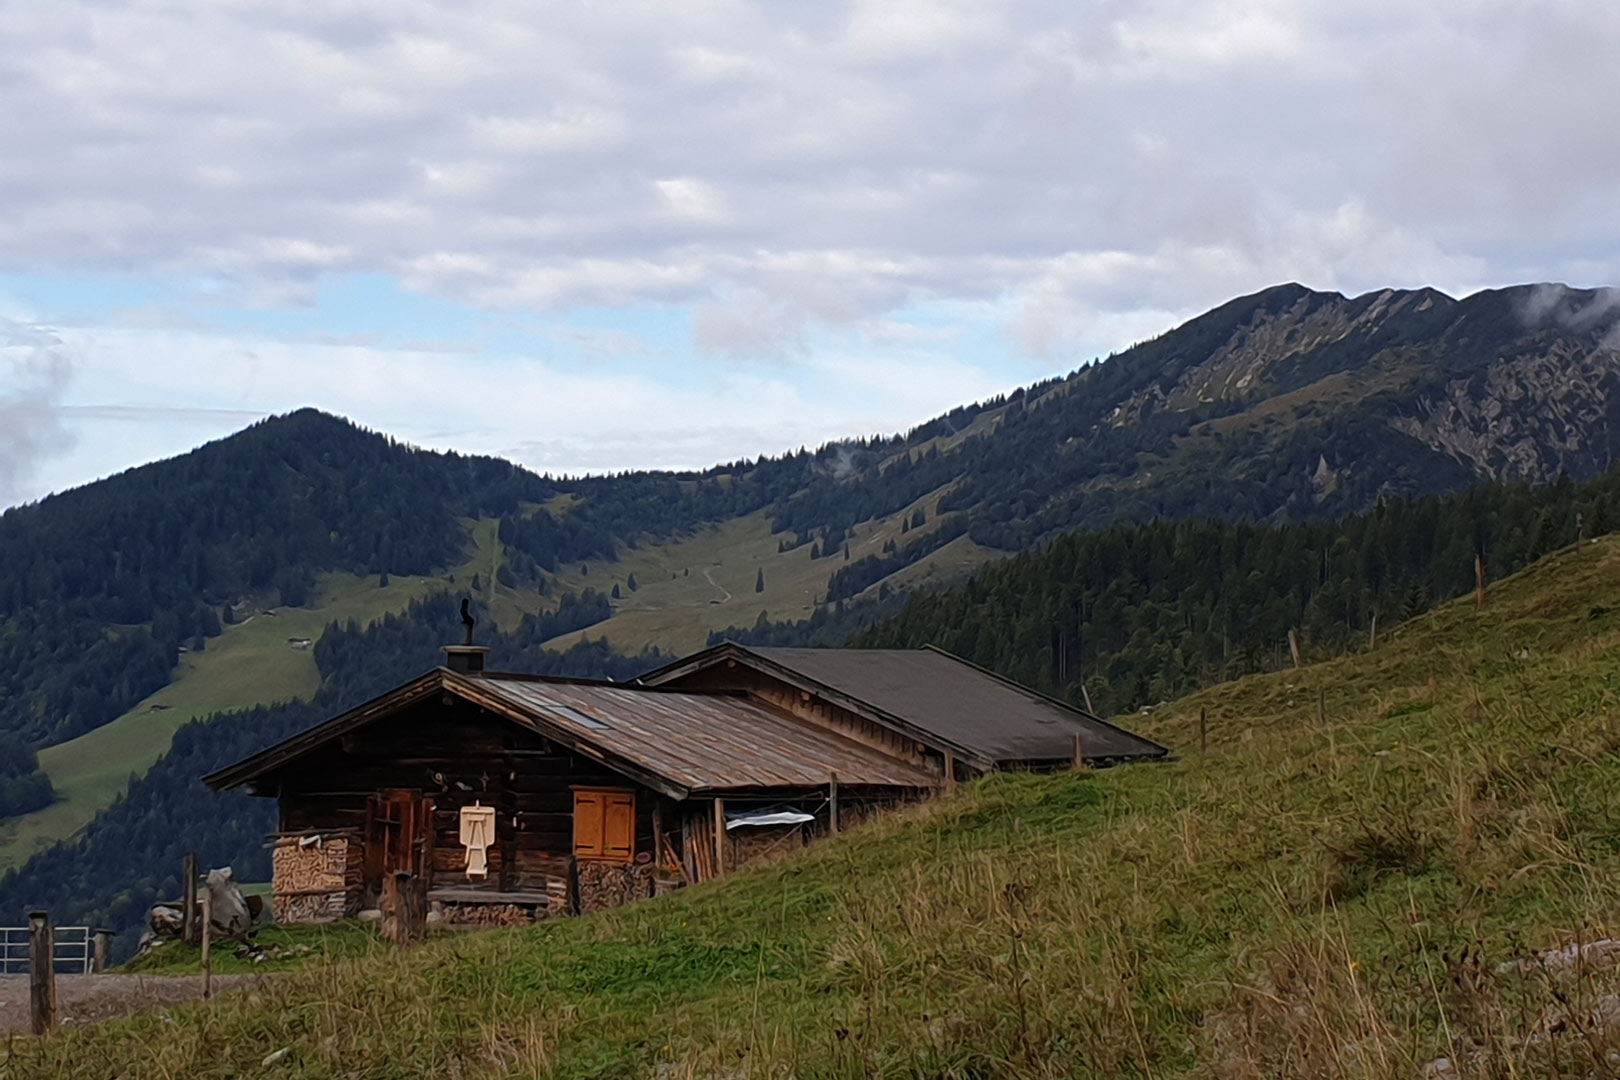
605, 825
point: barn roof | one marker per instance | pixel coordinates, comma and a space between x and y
675, 742
938, 698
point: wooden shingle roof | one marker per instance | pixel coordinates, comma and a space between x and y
938, 698
675, 742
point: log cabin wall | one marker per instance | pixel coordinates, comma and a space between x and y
807, 707
456, 754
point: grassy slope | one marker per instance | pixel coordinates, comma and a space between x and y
690, 586
1294, 903
250, 664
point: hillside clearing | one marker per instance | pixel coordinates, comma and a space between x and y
691, 586
1306, 900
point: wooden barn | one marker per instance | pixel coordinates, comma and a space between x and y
961, 718
512, 797
505, 798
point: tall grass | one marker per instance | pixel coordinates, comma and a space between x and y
1334, 900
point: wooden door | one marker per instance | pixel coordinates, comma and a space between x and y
399, 837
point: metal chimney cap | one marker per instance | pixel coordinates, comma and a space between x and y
465, 659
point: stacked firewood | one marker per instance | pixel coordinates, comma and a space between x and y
606, 885
489, 915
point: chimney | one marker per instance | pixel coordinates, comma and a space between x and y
465, 659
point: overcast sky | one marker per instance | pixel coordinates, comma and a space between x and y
602, 236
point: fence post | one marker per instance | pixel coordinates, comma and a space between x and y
1079, 751
98, 958
188, 903
1203, 731
41, 972
207, 939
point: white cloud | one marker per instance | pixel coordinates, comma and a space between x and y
35, 368
800, 179
545, 155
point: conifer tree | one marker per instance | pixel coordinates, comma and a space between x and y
759, 580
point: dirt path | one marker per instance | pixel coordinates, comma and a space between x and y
716, 584
84, 999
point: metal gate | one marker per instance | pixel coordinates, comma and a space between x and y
75, 951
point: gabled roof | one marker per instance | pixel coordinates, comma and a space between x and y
674, 742
938, 698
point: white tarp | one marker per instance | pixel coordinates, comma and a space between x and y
767, 817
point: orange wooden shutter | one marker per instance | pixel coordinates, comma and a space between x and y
619, 826
588, 824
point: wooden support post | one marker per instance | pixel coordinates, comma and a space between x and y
1079, 752
1203, 731
404, 908
102, 941
950, 771
41, 973
832, 805
719, 836
207, 941
188, 902
1293, 645
658, 834
390, 908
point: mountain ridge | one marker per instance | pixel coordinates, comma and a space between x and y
1286, 404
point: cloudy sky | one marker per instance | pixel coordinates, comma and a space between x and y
598, 236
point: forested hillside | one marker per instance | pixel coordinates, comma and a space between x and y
1138, 614
100, 586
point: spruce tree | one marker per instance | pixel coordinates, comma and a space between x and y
759, 581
